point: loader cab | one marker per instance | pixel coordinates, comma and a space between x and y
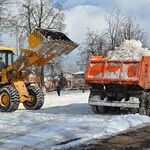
7, 55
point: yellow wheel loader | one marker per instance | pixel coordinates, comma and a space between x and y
43, 46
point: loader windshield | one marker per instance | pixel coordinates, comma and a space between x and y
7, 57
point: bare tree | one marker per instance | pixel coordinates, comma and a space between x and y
3, 15
132, 30
53, 67
114, 23
95, 44
41, 14
120, 28
10, 22
3, 3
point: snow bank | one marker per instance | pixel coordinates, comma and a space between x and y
111, 127
129, 50
62, 119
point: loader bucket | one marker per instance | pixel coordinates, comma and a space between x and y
47, 42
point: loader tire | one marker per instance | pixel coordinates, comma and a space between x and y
37, 98
144, 108
99, 109
9, 99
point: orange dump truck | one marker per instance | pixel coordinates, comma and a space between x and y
119, 84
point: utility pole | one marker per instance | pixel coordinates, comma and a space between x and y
17, 42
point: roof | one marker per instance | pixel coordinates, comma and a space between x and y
6, 48
80, 72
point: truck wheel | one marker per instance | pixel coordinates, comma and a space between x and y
37, 98
144, 108
9, 99
99, 109
115, 109
134, 110
111, 99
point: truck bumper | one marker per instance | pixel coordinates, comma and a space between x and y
114, 104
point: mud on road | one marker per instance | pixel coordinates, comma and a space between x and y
133, 140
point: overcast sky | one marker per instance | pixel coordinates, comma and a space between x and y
83, 14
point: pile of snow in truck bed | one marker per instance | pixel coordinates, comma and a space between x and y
129, 50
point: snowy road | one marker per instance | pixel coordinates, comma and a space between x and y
62, 120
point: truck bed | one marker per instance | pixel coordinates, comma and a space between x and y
103, 71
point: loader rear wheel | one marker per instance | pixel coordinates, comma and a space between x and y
99, 109
9, 99
37, 98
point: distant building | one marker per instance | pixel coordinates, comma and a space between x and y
74, 80
78, 79
32, 78
69, 78
51, 83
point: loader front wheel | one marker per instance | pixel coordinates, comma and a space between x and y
9, 99
37, 98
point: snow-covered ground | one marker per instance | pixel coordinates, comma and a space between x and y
62, 120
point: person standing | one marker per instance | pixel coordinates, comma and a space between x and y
82, 89
2, 64
58, 89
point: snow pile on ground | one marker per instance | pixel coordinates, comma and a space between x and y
105, 129
63, 122
129, 50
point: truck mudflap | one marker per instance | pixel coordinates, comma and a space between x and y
115, 104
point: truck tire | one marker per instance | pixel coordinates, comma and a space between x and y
134, 110
9, 99
144, 108
99, 109
114, 109
111, 99
37, 96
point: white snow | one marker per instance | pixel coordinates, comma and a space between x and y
61, 119
129, 50
79, 72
